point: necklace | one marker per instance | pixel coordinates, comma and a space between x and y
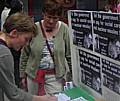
51, 32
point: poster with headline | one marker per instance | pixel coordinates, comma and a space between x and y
106, 28
111, 75
82, 26
90, 70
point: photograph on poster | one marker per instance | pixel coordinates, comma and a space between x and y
117, 86
114, 49
88, 41
83, 75
104, 79
96, 83
96, 42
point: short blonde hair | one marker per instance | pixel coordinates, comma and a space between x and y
21, 22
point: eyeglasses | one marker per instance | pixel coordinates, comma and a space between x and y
48, 17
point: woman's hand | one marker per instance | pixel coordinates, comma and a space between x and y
23, 84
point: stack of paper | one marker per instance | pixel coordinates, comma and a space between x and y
79, 99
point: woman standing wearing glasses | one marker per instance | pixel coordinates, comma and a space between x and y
44, 59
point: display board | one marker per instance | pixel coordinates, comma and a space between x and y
95, 47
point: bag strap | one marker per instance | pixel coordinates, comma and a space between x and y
47, 43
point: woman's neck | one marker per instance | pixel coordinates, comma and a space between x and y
50, 33
4, 37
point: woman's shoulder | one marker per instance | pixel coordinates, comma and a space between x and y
4, 51
62, 24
